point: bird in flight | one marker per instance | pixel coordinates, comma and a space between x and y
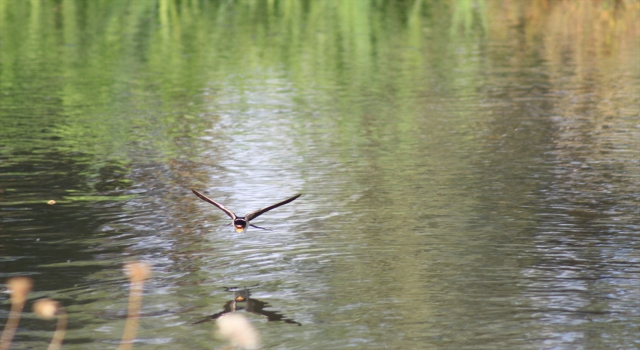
241, 223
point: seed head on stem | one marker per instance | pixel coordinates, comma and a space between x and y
238, 331
48, 309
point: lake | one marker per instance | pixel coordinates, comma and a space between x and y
469, 170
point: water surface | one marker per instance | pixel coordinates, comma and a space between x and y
469, 172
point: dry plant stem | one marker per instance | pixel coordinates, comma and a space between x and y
11, 326
48, 309
137, 272
133, 316
61, 329
20, 287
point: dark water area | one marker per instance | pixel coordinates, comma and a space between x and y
470, 171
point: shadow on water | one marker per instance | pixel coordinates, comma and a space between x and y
56, 237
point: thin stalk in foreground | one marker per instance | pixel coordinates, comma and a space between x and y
19, 287
137, 272
47, 309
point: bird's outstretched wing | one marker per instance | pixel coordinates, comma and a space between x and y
220, 206
259, 212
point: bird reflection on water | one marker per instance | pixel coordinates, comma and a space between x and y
242, 301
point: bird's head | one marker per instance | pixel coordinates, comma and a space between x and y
240, 225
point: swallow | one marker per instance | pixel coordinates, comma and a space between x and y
241, 223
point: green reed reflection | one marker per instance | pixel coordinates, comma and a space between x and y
109, 68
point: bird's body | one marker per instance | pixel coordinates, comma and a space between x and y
241, 223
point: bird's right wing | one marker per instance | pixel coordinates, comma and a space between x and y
258, 212
220, 206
